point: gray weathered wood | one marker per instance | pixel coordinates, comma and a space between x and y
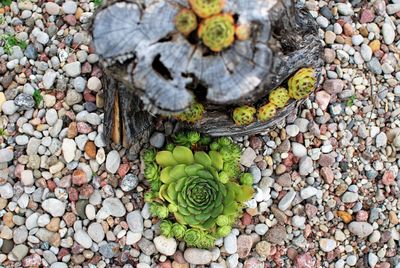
134, 36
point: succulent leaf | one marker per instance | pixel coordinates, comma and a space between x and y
165, 158
246, 179
183, 155
166, 228
216, 160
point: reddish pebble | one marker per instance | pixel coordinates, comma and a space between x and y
388, 178
86, 68
327, 174
305, 260
70, 20
367, 15
51, 185
253, 263
73, 194
83, 128
246, 219
69, 218
33, 260
86, 190
89, 97
362, 215
123, 169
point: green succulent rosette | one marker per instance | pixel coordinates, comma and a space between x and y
186, 21
217, 32
199, 198
207, 8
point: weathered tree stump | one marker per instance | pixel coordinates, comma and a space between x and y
141, 48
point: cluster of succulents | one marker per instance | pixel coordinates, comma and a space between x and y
197, 188
193, 114
217, 30
300, 85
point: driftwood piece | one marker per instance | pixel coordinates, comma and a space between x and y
140, 47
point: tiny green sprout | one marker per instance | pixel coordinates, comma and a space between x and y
9, 41
97, 3
3, 133
350, 101
4, 3
37, 97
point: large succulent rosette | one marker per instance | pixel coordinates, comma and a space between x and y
195, 192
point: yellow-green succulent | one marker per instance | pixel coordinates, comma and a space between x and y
217, 32
207, 8
266, 112
193, 114
244, 115
279, 97
302, 83
186, 21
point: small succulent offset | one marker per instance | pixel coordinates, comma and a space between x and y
198, 194
207, 8
279, 97
266, 112
244, 115
186, 21
302, 83
193, 114
217, 32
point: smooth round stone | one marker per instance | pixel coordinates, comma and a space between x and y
349, 197
6, 155
21, 140
114, 206
82, 238
361, 229
261, 229
79, 84
129, 182
27, 177
113, 161
135, 221
327, 245
230, 243
96, 232
94, 84
351, 260
197, 256
52, 8
166, 246
6, 191
9, 107
157, 139
69, 7
54, 206
298, 149
292, 130
357, 39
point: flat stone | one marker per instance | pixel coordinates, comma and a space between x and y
73, 69
287, 200
114, 206
54, 206
96, 232
109, 250
83, 239
135, 221
6, 155
197, 256
277, 235
361, 229
52, 8
244, 245
349, 197
248, 157
327, 245
113, 161
68, 149
166, 246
